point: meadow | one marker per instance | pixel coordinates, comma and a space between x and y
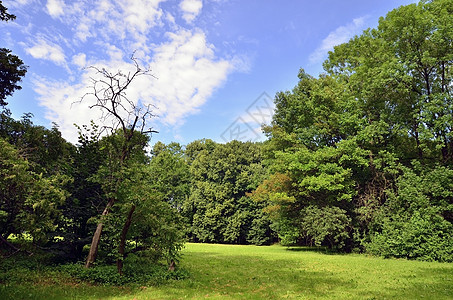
266, 272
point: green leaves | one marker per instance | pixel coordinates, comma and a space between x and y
218, 209
12, 69
329, 225
368, 146
30, 202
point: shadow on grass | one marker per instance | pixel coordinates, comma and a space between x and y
321, 250
61, 291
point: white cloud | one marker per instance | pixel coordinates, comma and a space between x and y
104, 33
339, 36
141, 15
63, 105
80, 60
187, 72
17, 3
45, 50
116, 19
55, 8
191, 9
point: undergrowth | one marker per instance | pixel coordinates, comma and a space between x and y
40, 268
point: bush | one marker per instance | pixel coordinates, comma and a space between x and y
423, 236
412, 223
326, 226
137, 270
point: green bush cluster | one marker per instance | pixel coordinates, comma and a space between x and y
137, 270
423, 236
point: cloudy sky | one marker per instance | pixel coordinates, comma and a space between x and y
216, 64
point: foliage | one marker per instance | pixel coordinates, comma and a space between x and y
169, 173
326, 225
416, 222
29, 202
45, 149
218, 208
155, 223
136, 271
424, 236
4, 15
361, 156
12, 68
74, 229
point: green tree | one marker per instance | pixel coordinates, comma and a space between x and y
12, 68
75, 228
4, 15
400, 74
29, 202
219, 209
343, 142
416, 221
170, 173
47, 151
123, 150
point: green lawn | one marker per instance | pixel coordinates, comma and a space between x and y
250, 272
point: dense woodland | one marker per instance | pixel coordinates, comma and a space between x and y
358, 159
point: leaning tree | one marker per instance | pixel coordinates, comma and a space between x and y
123, 117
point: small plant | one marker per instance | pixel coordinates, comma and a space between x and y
137, 270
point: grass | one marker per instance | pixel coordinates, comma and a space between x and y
274, 272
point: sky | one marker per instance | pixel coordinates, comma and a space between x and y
216, 65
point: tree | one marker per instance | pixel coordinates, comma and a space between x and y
75, 228
416, 221
218, 209
401, 75
129, 119
44, 148
4, 15
345, 147
12, 68
170, 173
29, 202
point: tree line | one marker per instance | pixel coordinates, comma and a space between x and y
357, 159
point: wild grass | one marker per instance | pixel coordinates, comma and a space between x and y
251, 272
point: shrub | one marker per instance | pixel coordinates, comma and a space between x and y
424, 235
137, 270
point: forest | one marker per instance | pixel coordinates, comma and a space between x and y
358, 159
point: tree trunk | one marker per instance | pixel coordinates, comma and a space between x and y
172, 266
127, 224
91, 258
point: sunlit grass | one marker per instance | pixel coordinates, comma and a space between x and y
250, 272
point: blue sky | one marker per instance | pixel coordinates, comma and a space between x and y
217, 63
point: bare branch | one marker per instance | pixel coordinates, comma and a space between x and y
109, 92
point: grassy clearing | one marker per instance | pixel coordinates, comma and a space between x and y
250, 272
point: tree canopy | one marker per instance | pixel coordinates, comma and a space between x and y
12, 68
358, 145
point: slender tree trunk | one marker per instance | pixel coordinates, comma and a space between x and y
97, 236
172, 265
5, 241
127, 224
417, 139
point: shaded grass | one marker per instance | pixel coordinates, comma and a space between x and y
251, 272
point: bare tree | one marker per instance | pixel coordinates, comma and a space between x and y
119, 114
